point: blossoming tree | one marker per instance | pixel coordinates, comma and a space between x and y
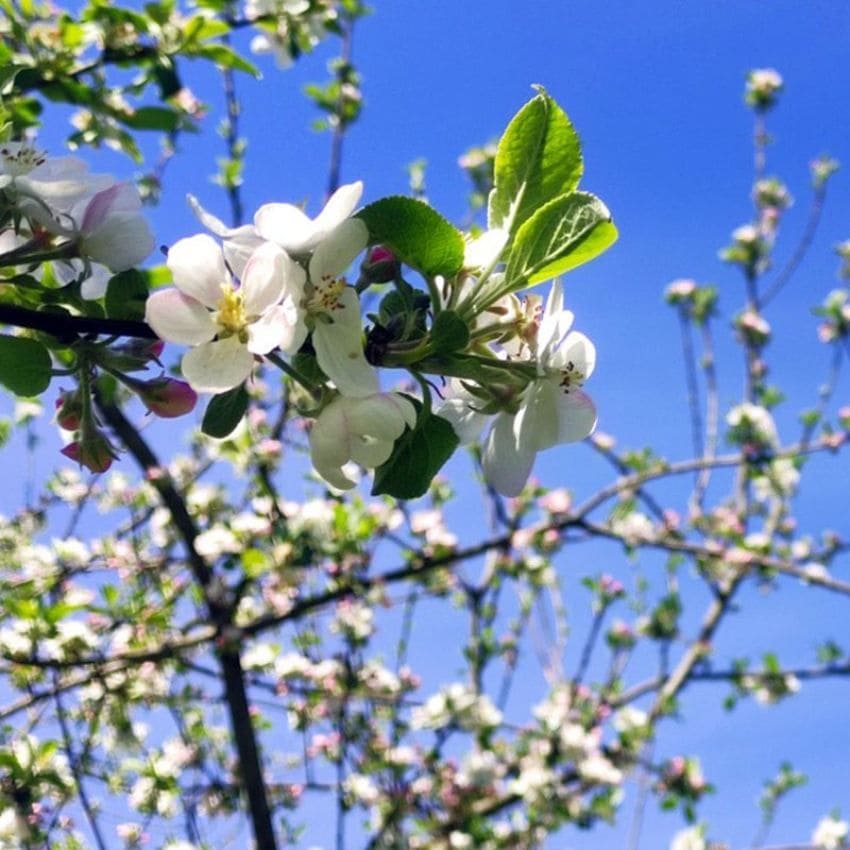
216, 660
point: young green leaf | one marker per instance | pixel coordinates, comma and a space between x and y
24, 365
538, 159
563, 234
225, 412
126, 294
417, 457
449, 333
416, 233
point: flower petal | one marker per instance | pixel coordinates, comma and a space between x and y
330, 445
216, 367
262, 280
339, 349
281, 327
578, 350
506, 465
576, 416
483, 251
197, 266
177, 318
121, 242
338, 208
536, 423
286, 225
336, 253
467, 423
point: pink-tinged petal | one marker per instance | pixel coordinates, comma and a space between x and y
339, 348
262, 280
120, 198
506, 465
119, 243
280, 327
339, 207
536, 423
336, 253
286, 225
216, 367
177, 318
576, 416
578, 350
197, 267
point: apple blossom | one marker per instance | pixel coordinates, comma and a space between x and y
551, 409
830, 833
227, 323
362, 430
238, 243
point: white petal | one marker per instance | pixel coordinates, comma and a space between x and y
339, 349
536, 423
553, 329
371, 452
216, 367
467, 423
262, 281
506, 465
330, 445
378, 416
177, 318
120, 243
279, 327
555, 301
339, 207
336, 253
207, 219
578, 350
238, 248
198, 269
286, 225
483, 251
576, 416
95, 285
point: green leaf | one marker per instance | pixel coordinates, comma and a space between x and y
151, 118
538, 159
24, 365
561, 235
225, 412
225, 57
449, 333
417, 234
417, 457
126, 294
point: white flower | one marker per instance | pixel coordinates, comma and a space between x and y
330, 308
830, 833
597, 768
691, 838
552, 409
755, 419
359, 429
227, 324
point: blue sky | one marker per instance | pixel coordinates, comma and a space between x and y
655, 90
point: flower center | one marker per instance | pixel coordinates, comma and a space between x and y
326, 295
20, 160
571, 377
231, 310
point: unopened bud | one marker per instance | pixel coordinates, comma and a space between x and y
380, 265
166, 397
68, 411
93, 452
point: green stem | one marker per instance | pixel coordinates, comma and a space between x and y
293, 373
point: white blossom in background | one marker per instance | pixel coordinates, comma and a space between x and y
456, 703
830, 833
226, 323
277, 43
691, 838
362, 430
13, 829
755, 418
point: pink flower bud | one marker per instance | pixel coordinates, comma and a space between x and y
93, 452
380, 265
167, 397
68, 411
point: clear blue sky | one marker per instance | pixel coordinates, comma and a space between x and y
655, 91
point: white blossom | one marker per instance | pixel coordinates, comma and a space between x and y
831, 833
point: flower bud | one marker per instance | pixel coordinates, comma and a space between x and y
69, 410
93, 452
380, 265
166, 397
